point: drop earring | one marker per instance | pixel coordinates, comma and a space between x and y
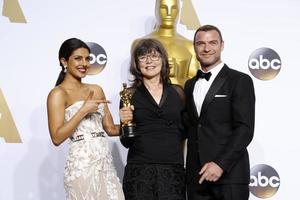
65, 69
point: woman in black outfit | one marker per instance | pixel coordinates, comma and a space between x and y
154, 169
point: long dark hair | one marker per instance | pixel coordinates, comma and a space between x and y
145, 46
65, 51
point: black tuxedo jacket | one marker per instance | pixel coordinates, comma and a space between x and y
224, 128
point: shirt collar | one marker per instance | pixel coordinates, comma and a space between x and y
214, 71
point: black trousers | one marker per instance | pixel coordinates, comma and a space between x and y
154, 182
211, 191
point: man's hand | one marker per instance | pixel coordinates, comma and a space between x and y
210, 172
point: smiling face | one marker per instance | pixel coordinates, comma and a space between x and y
208, 48
149, 59
78, 63
150, 64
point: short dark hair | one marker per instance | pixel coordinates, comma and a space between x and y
206, 28
65, 51
145, 46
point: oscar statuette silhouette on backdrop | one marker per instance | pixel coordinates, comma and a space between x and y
182, 58
8, 129
13, 10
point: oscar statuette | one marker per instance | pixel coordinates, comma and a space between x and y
128, 128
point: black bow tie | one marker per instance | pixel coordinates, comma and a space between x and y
201, 74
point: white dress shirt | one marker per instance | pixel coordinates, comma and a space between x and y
202, 86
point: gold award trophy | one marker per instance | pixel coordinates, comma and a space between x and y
181, 55
128, 128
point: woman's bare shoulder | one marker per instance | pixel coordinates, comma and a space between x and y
57, 93
98, 91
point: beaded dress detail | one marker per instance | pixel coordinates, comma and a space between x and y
89, 171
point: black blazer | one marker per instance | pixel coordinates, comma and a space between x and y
159, 127
225, 127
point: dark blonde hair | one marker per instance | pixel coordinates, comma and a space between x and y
206, 28
143, 47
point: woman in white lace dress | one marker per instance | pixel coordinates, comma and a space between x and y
79, 111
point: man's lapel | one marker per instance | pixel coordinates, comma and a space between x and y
191, 98
215, 86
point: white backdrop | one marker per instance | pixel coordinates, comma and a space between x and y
33, 169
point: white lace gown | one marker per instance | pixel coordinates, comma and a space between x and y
89, 171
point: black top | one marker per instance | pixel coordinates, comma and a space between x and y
159, 127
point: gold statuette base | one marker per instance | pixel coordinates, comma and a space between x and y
128, 130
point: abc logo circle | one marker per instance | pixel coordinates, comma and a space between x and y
98, 58
264, 64
264, 181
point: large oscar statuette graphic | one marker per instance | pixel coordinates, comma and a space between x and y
182, 58
128, 128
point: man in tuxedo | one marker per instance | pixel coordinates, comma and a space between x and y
220, 107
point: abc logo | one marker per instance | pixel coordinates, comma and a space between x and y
264, 63
264, 181
98, 58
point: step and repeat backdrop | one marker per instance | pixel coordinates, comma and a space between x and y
261, 39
